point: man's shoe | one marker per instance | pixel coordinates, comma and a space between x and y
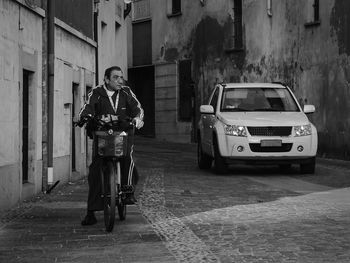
130, 199
128, 189
89, 220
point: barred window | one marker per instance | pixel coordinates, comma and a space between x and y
312, 13
173, 8
235, 41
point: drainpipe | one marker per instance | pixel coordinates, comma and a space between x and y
96, 25
50, 87
269, 7
96, 49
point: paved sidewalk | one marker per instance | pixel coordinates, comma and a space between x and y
250, 215
189, 215
47, 229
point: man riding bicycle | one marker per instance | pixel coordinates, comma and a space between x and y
111, 98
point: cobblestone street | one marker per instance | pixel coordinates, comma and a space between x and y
252, 214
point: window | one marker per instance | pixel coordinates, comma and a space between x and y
142, 43
236, 39
173, 8
176, 7
316, 6
313, 13
258, 99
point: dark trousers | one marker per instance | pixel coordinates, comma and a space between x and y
129, 176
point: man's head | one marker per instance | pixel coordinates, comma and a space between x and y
114, 78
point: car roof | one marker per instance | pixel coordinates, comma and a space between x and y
252, 85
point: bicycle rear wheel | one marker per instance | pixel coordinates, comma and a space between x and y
120, 202
109, 196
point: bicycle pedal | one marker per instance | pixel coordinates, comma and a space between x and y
126, 189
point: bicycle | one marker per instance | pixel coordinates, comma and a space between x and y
110, 140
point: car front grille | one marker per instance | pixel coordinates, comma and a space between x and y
256, 147
270, 131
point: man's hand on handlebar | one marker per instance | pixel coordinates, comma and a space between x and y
110, 120
138, 122
83, 120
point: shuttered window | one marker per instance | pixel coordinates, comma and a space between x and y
142, 43
238, 31
316, 6
185, 91
176, 7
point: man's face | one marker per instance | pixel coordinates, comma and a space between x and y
115, 81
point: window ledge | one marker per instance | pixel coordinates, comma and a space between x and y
174, 15
234, 49
312, 23
141, 20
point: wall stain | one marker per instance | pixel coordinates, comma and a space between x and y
212, 62
171, 54
208, 40
340, 21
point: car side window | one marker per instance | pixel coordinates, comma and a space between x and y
214, 99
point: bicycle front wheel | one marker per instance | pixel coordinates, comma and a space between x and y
120, 200
109, 197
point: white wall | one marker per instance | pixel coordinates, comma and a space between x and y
20, 48
112, 40
74, 56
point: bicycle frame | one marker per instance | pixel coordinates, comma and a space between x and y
111, 144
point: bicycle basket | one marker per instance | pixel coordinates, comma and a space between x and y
111, 143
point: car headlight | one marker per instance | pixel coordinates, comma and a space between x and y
235, 130
302, 130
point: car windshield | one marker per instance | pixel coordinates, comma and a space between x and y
258, 99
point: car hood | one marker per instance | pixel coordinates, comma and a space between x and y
263, 118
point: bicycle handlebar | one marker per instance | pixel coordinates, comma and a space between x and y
107, 121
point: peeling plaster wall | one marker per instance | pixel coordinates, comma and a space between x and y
314, 61
198, 34
20, 48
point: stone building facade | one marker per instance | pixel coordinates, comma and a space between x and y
301, 43
88, 37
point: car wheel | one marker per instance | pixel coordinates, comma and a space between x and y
220, 165
285, 167
309, 167
204, 160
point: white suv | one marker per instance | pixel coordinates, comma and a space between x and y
255, 123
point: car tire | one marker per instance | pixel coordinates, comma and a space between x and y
204, 160
309, 167
285, 167
220, 165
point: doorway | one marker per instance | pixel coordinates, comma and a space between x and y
141, 81
25, 125
75, 96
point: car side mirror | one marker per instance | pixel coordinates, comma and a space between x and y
206, 109
309, 109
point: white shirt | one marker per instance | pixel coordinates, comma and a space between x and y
110, 93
